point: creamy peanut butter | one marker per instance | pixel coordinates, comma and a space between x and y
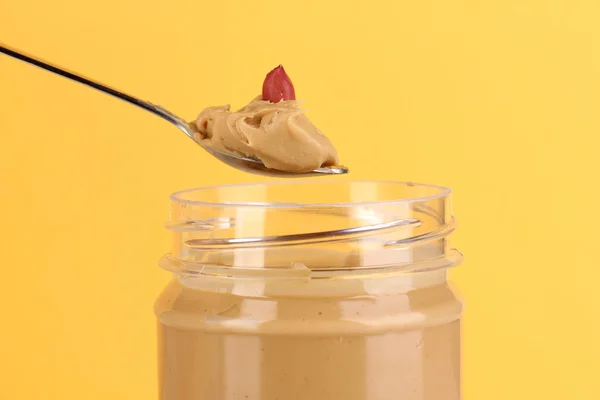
367, 338
279, 134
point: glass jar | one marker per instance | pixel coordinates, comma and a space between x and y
310, 290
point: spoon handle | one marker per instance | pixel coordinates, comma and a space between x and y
155, 109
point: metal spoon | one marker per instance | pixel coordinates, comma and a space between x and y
242, 163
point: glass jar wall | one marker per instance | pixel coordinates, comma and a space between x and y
310, 291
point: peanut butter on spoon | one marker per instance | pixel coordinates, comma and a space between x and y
272, 128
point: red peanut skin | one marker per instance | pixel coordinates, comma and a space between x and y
278, 86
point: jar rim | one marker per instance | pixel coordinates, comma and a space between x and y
180, 196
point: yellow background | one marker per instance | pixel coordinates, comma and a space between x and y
497, 99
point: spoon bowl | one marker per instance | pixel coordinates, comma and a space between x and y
238, 161
256, 167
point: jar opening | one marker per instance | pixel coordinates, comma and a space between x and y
310, 193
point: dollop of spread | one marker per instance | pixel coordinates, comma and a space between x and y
279, 134
273, 128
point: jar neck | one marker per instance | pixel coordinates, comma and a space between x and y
276, 241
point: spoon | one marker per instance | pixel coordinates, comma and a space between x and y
237, 161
